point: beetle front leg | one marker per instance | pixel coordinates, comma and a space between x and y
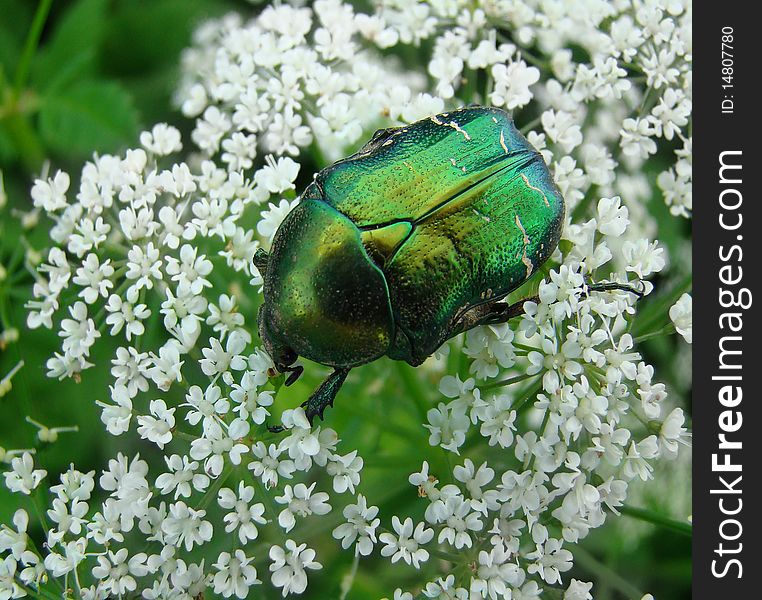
324, 396
320, 399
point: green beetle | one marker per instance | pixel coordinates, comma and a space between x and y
414, 239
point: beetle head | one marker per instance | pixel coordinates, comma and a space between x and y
283, 356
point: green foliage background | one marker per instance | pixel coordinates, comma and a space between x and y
83, 76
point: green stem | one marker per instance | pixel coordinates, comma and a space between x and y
649, 516
605, 573
531, 394
666, 330
509, 381
30, 46
211, 493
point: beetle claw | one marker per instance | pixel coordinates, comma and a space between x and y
294, 374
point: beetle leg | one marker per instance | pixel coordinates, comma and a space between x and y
488, 314
324, 396
320, 399
500, 312
260, 260
610, 286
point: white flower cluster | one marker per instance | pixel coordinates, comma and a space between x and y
289, 79
558, 406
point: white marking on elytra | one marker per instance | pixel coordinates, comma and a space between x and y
531, 187
524, 257
483, 216
502, 141
453, 161
494, 120
435, 119
459, 129
388, 142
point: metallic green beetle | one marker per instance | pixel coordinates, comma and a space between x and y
412, 240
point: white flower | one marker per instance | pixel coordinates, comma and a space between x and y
444, 589
345, 471
273, 217
23, 477
144, 266
578, 590
73, 554
79, 333
494, 573
672, 433
67, 517
214, 447
301, 502
217, 361
191, 269
512, 84
244, 515
612, 217
163, 139
157, 427
116, 417
498, 421
166, 366
458, 519
251, 402
305, 445
406, 545
277, 176
474, 480
117, 572
235, 574
288, 567
50, 195
551, 560
360, 528
268, 466
126, 315
681, 314
94, 278
562, 129
186, 526
181, 477
448, 425
15, 541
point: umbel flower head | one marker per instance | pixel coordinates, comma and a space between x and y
538, 427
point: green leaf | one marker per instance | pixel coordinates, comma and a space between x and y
78, 66
87, 117
164, 28
77, 36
